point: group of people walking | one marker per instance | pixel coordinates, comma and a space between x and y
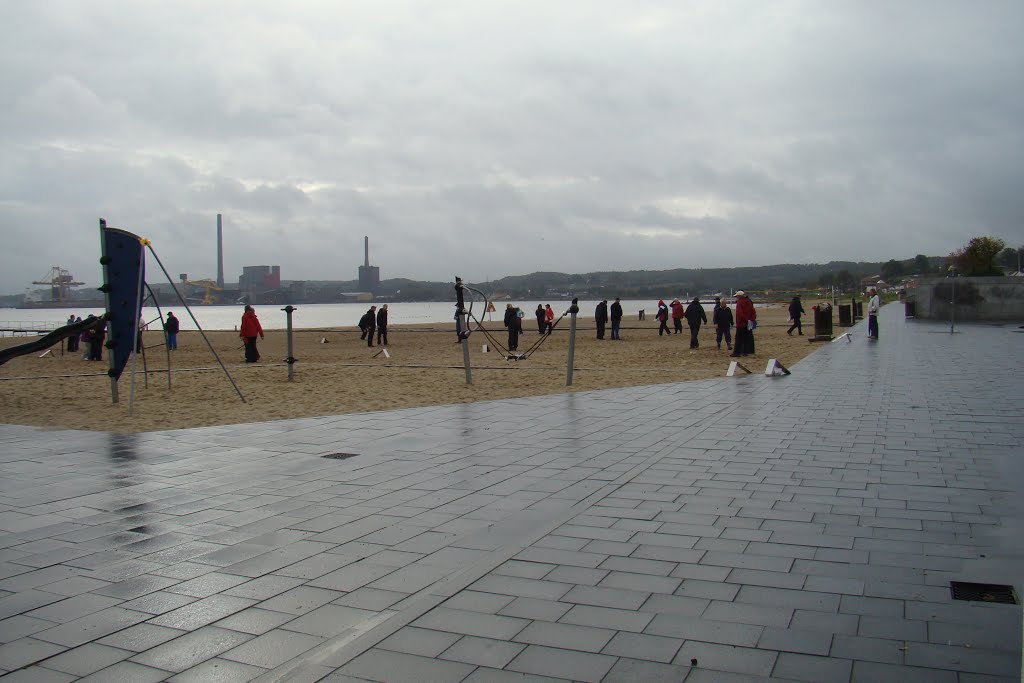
374, 321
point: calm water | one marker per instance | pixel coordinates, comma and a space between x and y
314, 316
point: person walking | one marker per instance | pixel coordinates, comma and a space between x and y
722, 320
601, 317
746, 321
96, 342
540, 319
367, 323
73, 339
874, 303
662, 318
382, 325
512, 324
171, 327
695, 315
796, 310
616, 312
677, 315
248, 331
549, 319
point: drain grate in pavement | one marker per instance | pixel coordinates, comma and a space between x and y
339, 456
983, 592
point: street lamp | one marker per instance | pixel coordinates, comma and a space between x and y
952, 299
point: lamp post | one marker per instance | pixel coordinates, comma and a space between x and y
952, 299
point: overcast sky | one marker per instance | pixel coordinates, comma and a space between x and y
490, 138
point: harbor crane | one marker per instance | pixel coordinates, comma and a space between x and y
60, 282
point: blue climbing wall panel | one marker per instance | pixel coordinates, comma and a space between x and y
124, 267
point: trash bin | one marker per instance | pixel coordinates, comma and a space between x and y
859, 313
823, 321
845, 313
910, 308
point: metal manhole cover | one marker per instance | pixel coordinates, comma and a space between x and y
339, 456
983, 592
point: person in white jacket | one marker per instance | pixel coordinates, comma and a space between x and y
873, 305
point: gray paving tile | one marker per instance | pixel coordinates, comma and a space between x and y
218, 671
568, 636
483, 652
25, 651
397, 667
272, 648
126, 672
190, 649
201, 612
546, 661
420, 641
800, 667
471, 623
86, 659
646, 647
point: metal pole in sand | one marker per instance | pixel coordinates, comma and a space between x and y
290, 360
573, 310
463, 326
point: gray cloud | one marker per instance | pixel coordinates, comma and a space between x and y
489, 140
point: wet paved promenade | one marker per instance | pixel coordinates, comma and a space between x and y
800, 528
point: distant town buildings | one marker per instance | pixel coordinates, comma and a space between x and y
257, 280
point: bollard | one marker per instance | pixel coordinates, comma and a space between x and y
573, 310
290, 360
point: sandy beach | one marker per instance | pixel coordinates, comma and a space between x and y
343, 375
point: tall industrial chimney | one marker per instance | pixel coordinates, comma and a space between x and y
366, 250
220, 254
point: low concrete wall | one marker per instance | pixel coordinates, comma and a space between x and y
977, 298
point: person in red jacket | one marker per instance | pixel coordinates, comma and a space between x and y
248, 331
677, 315
746, 321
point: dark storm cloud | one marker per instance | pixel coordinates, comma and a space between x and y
495, 140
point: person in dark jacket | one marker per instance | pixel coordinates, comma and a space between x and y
662, 318
601, 317
382, 325
722, 319
73, 339
248, 331
616, 312
677, 315
512, 323
367, 323
540, 319
171, 327
695, 315
795, 311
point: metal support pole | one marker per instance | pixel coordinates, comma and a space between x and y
107, 302
462, 326
573, 310
952, 305
289, 309
137, 341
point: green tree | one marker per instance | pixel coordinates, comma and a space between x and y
978, 257
1009, 258
921, 264
827, 279
845, 279
891, 269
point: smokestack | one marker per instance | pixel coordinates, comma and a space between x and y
220, 254
366, 250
